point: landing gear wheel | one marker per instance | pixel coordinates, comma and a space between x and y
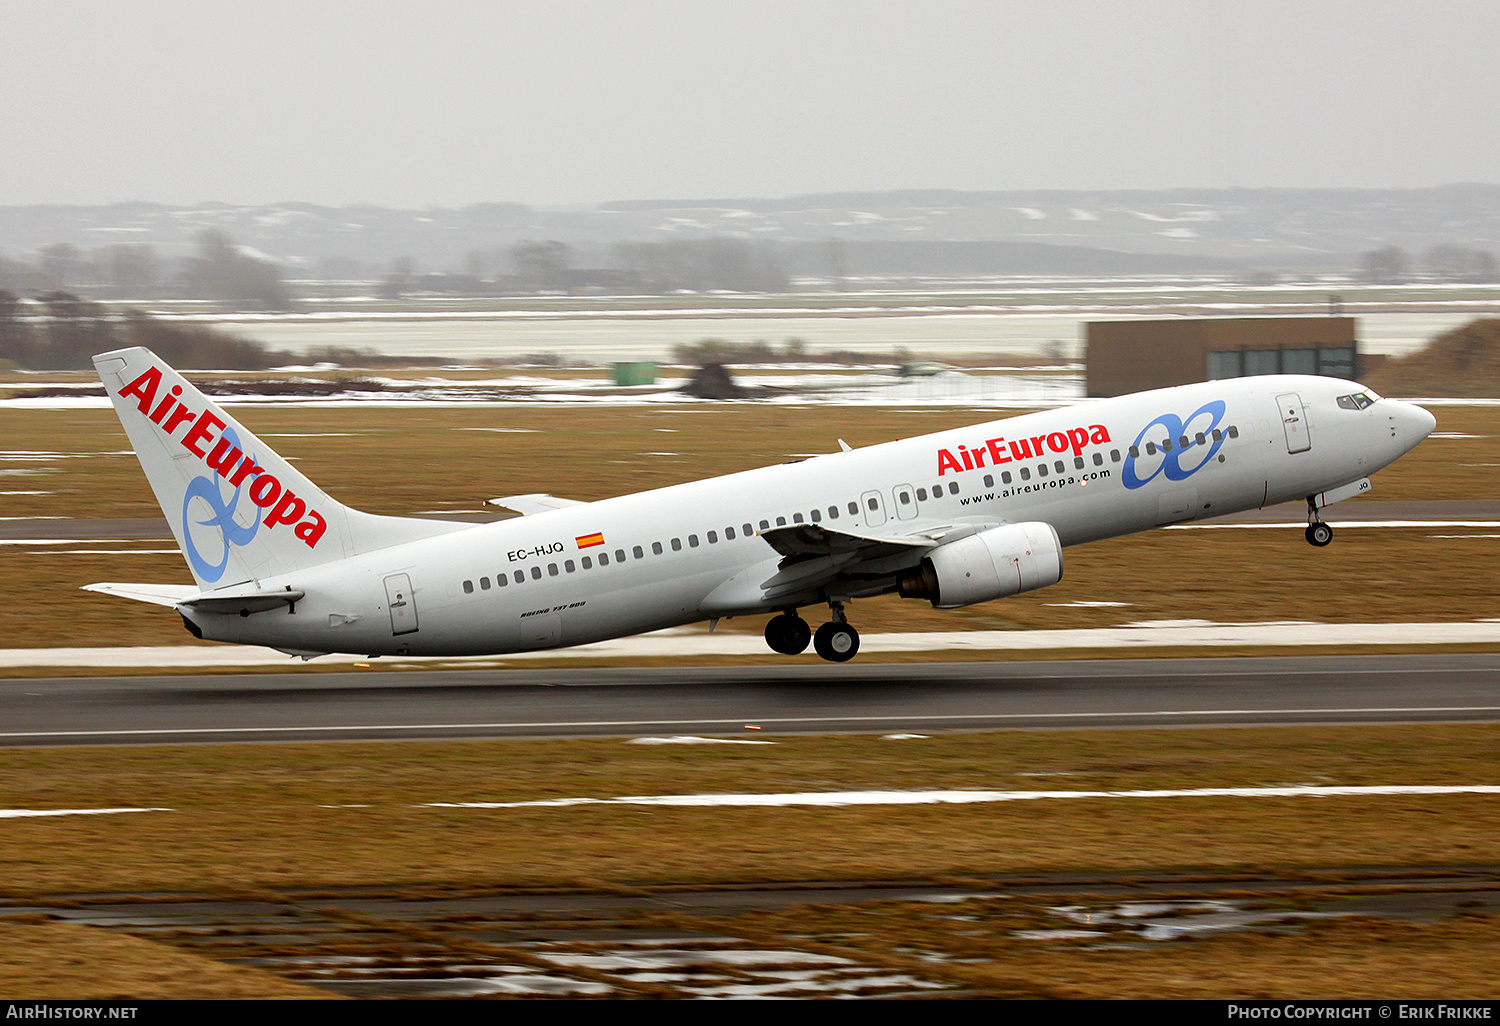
837, 642
1319, 534
788, 634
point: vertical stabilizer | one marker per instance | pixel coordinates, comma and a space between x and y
238, 510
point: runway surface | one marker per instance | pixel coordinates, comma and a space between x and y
917, 698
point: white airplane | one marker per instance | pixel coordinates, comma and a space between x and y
958, 517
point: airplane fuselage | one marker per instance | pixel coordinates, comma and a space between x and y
699, 550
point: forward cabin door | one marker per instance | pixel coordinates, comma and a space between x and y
1294, 422
402, 605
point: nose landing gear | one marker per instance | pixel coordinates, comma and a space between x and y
1318, 533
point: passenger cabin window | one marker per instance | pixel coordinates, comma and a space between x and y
833, 512
921, 494
713, 537
1098, 459
1234, 432
1005, 477
501, 580
1025, 474
874, 504
781, 521
620, 555
484, 584
588, 563
952, 487
765, 525
1060, 467
656, 548
854, 509
637, 552
1041, 470
1183, 441
551, 569
568, 565
796, 518
536, 573
692, 541
817, 516
676, 544
1166, 445
1078, 463
1114, 454
521, 576
603, 559
728, 534
904, 497
468, 587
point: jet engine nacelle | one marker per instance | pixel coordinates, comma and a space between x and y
989, 565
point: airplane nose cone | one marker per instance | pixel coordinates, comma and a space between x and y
1422, 421
1411, 424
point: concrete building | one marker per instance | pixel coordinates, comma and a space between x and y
1133, 356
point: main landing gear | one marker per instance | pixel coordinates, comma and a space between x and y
1318, 533
837, 641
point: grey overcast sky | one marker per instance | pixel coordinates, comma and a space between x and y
554, 102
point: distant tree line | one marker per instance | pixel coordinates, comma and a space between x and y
533, 267
1391, 265
60, 331
219, 271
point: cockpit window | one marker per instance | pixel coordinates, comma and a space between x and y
1357, 401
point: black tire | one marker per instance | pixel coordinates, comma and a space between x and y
1319, 534
788, 634
836, 642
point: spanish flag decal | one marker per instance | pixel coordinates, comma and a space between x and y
588, 541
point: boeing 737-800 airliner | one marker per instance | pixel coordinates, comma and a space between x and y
958, 517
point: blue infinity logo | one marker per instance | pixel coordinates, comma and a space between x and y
209, 488
1202, 420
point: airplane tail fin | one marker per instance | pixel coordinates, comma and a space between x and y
238, 510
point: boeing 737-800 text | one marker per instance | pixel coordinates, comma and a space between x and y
958, 517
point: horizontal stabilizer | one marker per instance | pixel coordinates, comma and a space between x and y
226, 600
156, 594
243, 600
530, 505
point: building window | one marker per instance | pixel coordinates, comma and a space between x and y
1225, 365
1262, 361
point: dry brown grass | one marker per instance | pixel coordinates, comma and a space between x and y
41, 961
305, 815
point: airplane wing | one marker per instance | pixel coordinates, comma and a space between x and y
813, 554
530, 505
808, 541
